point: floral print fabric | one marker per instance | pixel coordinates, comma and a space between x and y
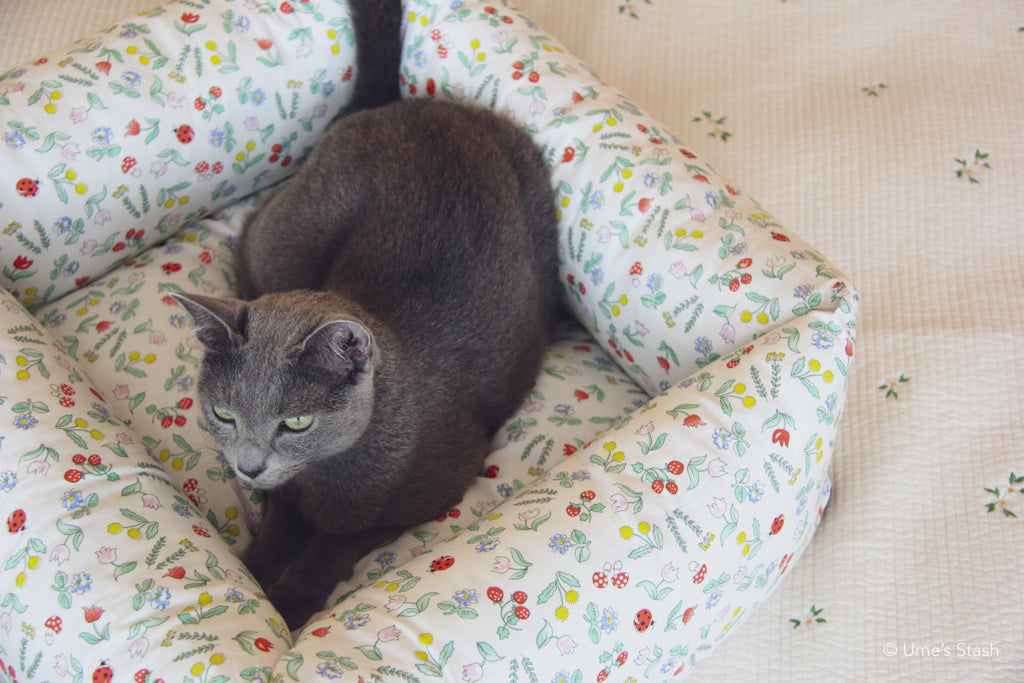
117, 143
611, 534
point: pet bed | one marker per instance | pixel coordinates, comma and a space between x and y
667, 469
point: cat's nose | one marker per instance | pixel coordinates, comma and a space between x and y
252, 471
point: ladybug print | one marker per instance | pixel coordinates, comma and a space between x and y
27, 187
442, 563
643, 620
16, 521
103, 674
185, 134
777, 525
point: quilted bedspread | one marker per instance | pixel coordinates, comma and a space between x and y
889, 135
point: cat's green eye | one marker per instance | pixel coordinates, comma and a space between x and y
299, 423
223, 414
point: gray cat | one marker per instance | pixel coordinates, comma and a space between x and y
399, 292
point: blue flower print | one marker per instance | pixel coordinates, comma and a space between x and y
609, 621
102, 135
559, 543
722, 439
72, 500
420, 57
234, 595
802, 292
386, 558
655, 282
15, 140
63, 226
755, 492
327, 88
331, 670
596, 275
183, 509
258, 97
651, 180
505, 490
703, 345
217, 137
242, 24
160, 598
26, 421
597, 199
487, 545
81, 582
354, 621
465, 597
821, 340
712, 199
8, 480
131, 79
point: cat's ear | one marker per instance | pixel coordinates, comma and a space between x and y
340, 346
217, 323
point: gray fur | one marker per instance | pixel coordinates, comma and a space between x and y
399, 290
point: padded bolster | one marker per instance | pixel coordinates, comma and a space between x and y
669, 265
118, 141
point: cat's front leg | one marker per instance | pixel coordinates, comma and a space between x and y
282, 536
303, 588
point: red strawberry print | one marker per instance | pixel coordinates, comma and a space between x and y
495, 594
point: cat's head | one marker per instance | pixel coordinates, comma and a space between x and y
281, 384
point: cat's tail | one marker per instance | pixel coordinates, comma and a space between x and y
377, 27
